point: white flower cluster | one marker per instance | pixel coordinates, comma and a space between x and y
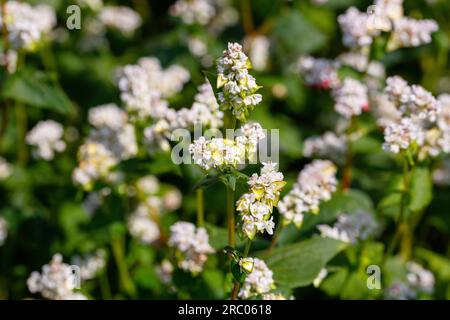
360, 28
122, 18
94, 162
142, 226
350, 228
238, 87
351, 98
259, 281
27, 25
57, 281
194, 11
145, 85
418, 281
192, 245
3, 231
90, 265
258, 48
46, 137
5, 169
329, 145
424, 125
319, 72
356, 28
220, 153
257, 205
204, 112
110, 140
315, 183
110, 128
412, 33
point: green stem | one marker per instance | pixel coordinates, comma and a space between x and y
230, 217
237, 285
118, 252
200, 208
275, 238
105, 288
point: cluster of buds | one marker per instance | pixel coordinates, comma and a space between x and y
315, 184
238, 87
257, 205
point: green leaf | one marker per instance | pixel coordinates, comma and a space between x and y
421, 191
218, 237
35, 88
297, 265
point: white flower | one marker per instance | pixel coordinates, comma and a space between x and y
107, 115
420, 278
122, 18
357, 28
257, 282
321, 73
315, 183
355, 60
258, 48
194, 11
57, 281
351, 98
256, 206
238, 87
90, 265
148, 185
219, 153
172, 200
27, 25
5, 169
192, 244
329, 145
95, 162
400, 136
142, 226
409, 32
350, 228
3, 230
47, 136
164, 272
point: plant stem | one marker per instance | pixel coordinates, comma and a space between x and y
200, 208
4, 34
125, 278
275, 238
247, 19
230, 217
237, 285
105, 288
